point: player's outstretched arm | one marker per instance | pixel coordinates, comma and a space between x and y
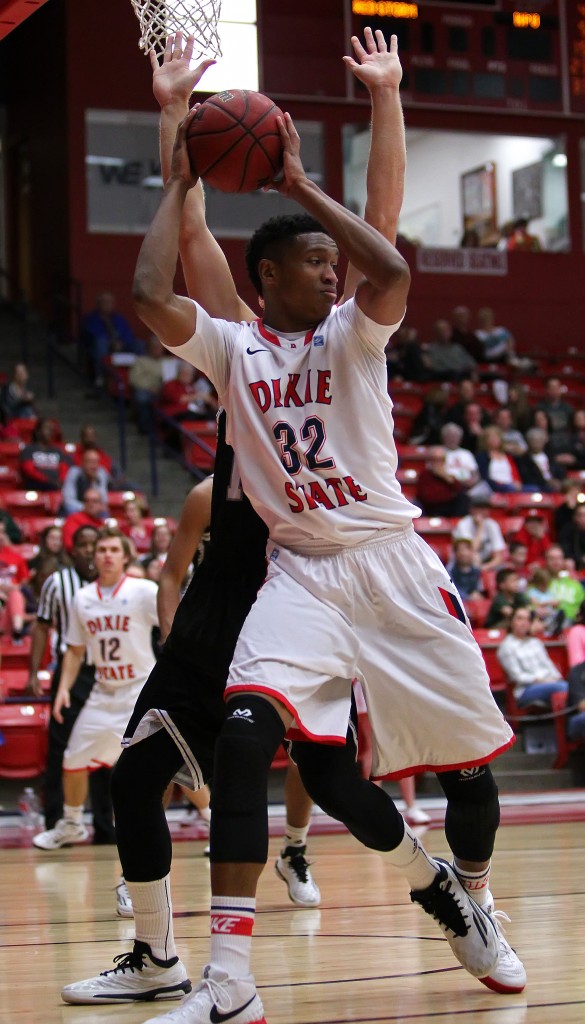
206, 270
385, 277
195, 518
173, 318
379, 68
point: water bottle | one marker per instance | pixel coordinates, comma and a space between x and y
29, 806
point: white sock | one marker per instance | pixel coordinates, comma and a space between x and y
205, 813
232, 922
476, 883
295, 836
73, 813
411, 858
153, 915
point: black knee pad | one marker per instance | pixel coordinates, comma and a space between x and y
244, 750
473, 812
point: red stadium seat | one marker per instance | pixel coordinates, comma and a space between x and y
24, 428
412, 456
477, 609
9, 478
23, 727
10, 453
13, 682
489, 640
14, 655
33, 527
26, 504
199, 447
117, 500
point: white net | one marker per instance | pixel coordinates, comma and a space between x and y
161, 18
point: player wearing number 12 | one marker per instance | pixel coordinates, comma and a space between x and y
113, 617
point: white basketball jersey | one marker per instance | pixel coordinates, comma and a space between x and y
116, 629
310, 420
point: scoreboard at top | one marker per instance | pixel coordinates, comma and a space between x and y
516, 55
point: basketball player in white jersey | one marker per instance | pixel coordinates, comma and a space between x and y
361, 532
112, 619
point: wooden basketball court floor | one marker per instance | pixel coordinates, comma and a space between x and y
365, 955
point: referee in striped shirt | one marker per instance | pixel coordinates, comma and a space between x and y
55, 602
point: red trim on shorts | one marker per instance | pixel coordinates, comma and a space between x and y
303, 733
405, 772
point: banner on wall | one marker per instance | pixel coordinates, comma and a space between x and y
462, 261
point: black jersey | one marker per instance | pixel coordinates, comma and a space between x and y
210, 616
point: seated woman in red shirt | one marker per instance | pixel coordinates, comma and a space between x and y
189, 396
135, 526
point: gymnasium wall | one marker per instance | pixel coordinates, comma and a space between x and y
86, 56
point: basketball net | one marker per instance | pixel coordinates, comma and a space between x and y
161, 18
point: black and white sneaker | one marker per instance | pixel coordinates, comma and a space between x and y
293, 867
471, 933
137, 977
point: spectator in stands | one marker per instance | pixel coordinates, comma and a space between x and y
497, 342
508, 597
51, 545
536, 471
519, 405
567, 449
42, 465
90, 475
464, 571
574, 494
518, 560
438, 492
146, 378
545, 606
470, 239
104, 331
88, 439
93, 513
559, 412
475, 420
13, 572
405, 356
496, 467
572, 538
527, 664
466, 394
445, 358
135, 527
188, 396
567, 590
463, 335
460, 463
517, 238
484, 533
534, 535
160, 543
12, 529
513, 441
17, 401
576, 679
426, 426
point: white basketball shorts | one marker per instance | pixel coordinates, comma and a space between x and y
96, 738
387, 614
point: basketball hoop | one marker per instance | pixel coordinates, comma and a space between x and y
161, 18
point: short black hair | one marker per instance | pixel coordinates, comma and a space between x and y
272, 237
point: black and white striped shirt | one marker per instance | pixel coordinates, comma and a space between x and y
57, 595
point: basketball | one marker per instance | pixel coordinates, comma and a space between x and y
233, 141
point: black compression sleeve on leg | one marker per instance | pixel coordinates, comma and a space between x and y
244, 750
473, 812
332, 779
139, 781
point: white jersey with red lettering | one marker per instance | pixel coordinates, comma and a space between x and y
310, 420
116, 628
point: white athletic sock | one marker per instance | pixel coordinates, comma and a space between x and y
477, 883
411, 858
153, 915
205, 813
232, 922
72, 813
295, 836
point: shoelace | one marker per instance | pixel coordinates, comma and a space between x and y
445, 907
217, 991
300, 866
126, 962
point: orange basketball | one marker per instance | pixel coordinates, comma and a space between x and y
233, 141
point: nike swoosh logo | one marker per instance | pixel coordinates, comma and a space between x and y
253, 351
217, 1018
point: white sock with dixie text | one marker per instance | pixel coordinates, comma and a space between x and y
413, 861
475, 883
232, 923
153, 915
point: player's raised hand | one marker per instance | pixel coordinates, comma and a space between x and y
173, 81
293, 170
375, 65
62, 700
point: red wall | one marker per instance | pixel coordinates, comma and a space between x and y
95, 62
